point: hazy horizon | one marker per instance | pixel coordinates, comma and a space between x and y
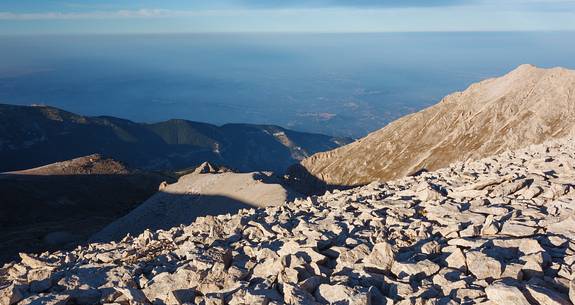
148, 16
339, 67
338, 84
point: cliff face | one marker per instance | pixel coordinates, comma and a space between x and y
495, 231
526, 106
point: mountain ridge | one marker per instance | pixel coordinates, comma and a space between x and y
38, 135
526, 106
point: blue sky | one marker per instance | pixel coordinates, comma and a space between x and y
176, 16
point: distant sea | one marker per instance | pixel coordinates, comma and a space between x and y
338, 84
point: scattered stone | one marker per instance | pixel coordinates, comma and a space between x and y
516, 229
456, 260
30, 261
47, 299
564, 228
425, 268
483, 266
381, 257
330, 294
294, 295
501, 293
530, 246
493, 231
11, 294
546, 296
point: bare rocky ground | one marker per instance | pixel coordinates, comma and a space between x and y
495, 231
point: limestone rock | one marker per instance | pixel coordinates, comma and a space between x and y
382, 256
425, 268
11, 294
501, 293
564, 228
546, 296
483, 266
47, 299
329, 294
294, 295
457, 260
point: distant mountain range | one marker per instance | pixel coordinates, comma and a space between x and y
32, 136
527, 106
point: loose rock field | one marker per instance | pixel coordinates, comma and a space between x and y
496, 231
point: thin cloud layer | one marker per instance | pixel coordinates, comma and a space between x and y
146, 16
356, 3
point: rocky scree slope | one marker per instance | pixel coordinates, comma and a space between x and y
499, 230
527, 106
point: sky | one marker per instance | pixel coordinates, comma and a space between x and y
192, 16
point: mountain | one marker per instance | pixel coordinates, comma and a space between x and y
32, 136
62, 204
206, 191
494, 231
527, 106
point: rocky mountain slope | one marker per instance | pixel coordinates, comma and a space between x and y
39, 135
500, 230
527, 106
62, 204
206, 191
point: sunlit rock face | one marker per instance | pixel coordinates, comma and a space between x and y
527, 106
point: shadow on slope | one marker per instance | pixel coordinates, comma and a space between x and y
199, 195
170, 210
302, 181
50, 212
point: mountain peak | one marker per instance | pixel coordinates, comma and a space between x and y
529, 70
526, 68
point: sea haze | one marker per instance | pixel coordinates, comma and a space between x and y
337, 84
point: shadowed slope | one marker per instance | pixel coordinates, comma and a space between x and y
38, 135
60, 205
198, 194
